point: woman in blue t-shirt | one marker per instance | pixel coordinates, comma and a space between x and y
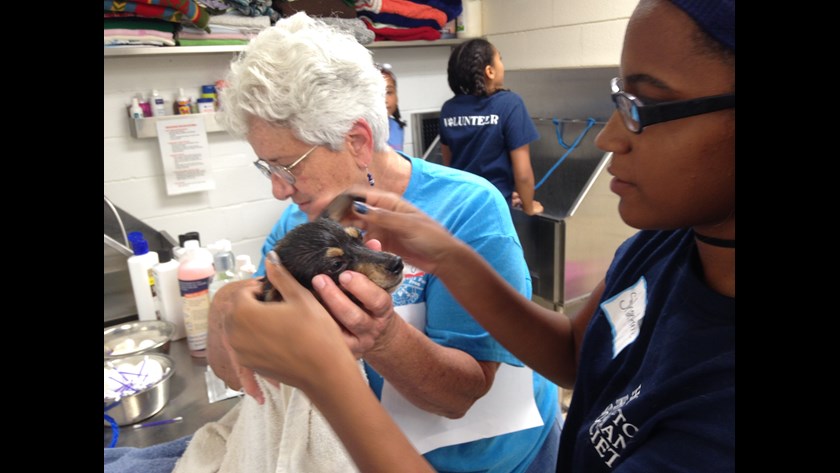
485, 129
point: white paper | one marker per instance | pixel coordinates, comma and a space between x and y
185, 155
509, 406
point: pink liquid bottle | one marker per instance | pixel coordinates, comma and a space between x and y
195, 274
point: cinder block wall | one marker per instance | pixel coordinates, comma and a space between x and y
548, 34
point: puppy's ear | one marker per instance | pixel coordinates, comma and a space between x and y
353, 232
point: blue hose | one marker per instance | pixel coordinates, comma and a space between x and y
589, 123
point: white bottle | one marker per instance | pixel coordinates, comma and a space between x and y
158, 104
244, 268
169, 296
142, 282
195, 273
135, 111
468, 24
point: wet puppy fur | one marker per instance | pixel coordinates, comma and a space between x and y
324, 246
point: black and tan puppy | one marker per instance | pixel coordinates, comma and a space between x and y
324, 246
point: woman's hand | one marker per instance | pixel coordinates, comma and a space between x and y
401, 228
365, 328
293, 341
219, 355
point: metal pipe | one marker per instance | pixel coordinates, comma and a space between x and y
119, 220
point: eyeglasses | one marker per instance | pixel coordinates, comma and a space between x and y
285, 172
637, 116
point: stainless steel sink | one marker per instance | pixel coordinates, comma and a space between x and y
119, 303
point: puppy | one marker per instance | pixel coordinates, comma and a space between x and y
324, 246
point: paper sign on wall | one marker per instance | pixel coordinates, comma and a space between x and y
185, 155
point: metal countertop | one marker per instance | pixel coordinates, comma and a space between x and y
188, 399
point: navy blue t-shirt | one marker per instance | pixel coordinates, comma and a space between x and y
655, 391
482, 131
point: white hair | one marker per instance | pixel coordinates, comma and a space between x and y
305, 75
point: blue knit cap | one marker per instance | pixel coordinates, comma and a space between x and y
715, 17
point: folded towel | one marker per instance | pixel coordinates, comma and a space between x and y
388, 32
286, 434
353, 26
155, 459
234, 18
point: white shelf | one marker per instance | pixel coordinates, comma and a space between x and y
147, 127
414, 44
165, 50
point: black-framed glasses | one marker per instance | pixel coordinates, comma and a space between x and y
284, 172
636, 115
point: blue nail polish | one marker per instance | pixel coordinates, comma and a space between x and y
360, 207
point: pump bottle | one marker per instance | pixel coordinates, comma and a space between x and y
140, 272
135, 111
158, 104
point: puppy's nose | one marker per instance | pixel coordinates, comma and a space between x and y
396, 266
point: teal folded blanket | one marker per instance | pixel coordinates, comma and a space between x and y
160, 458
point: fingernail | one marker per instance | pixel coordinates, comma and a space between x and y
273, 258
345, 277
318, 282
360, 207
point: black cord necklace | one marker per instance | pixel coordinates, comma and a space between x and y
723, 243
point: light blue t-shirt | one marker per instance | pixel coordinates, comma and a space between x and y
396, 134
473, 210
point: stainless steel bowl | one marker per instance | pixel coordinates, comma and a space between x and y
158, 333
147, 402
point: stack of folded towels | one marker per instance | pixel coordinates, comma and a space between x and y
185, 22
150, 22
407, 20
232, 22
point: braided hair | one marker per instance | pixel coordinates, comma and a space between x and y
466, 67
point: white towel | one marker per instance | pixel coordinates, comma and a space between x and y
286, 434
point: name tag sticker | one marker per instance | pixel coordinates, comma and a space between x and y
625, 312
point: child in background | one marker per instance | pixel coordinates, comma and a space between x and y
396, 134
486, 129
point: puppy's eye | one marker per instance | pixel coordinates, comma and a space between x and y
337, 266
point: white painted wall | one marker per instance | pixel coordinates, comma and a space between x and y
545, 34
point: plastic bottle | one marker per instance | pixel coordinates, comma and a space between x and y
195, 273
469, 21
225, 267
244, 268
182, 104
205, 105
142, 282
169, 295
179, 250
158, 104
135, 111
145, 106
